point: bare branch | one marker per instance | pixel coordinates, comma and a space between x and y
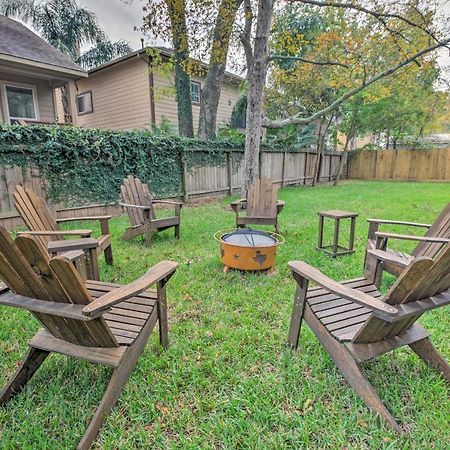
296, 119
307, 61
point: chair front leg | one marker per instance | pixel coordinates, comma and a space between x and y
298, 310
162, 313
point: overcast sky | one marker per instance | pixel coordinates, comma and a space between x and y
118, 19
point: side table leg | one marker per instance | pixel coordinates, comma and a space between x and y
352, 234
320, 235
336, 237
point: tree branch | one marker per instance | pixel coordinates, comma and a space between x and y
377, 14
245, 36
307, 61
268, 123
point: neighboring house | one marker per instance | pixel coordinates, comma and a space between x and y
124, 94
30, 70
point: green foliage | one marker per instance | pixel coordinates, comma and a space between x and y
88, 166
233, 134
296, 137
104, 51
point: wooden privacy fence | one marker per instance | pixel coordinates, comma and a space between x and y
285, 168
403, 164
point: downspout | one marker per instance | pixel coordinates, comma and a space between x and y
152, 95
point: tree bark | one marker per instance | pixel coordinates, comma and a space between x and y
177, 14
209, 100
349, 137
257, 72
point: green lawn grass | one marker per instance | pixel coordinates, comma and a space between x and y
228, 380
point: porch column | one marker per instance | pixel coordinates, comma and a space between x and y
72, 96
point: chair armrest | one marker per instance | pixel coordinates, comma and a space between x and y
168, 202
84, 233
399, 222
106, 301
72, 244
384, 256
67, 310
128, 205
238, 203
379, 308
73, 255
280, 205
436, 240
75, 219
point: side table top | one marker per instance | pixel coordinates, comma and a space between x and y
337, 214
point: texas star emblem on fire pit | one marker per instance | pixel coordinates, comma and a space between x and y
260, 257
248, 249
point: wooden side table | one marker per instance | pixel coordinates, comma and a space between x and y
337, 250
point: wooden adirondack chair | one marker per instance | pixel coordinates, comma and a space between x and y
261, 205
138, 202
436, 237
355, 323
102, 323
41, 223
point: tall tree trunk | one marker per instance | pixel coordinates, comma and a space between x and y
177, 14
318, 150
323, 129
209, 100
257, 72
350, 135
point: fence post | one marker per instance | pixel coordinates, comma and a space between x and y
260, 163
184, 178
306, 167
229, 173
330, 178
283, 166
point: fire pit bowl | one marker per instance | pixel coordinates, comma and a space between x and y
248, 249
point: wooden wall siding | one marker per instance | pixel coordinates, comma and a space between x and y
120, 97
284, 168
166, 105
43, 91
420, 165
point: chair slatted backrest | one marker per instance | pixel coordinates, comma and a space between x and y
439, 228
262, 198
35, 213
27, 270
134, 192
423, 278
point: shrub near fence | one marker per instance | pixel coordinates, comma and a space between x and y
76, 166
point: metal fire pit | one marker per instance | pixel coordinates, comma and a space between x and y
247, 249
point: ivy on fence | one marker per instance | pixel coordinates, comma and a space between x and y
83, 166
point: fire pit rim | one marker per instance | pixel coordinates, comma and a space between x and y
279, 239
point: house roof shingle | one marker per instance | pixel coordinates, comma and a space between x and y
18, 41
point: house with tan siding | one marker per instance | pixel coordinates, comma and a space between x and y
127, 93
30, 70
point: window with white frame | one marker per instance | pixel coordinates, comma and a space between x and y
20, 102
195, 91
84, 103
